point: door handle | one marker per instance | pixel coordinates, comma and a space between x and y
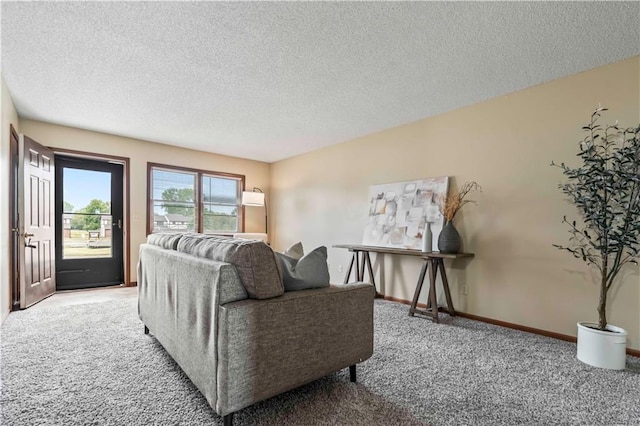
28, 235
118, 224
28, 243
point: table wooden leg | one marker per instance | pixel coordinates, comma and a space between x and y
445, 284
414, 302
433, 297
372, 279
348, 274
369, 268
361, 261
431, 263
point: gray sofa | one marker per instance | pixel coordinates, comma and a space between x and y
218, 307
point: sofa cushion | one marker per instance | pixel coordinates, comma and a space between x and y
310, 271
254, 261
251, 236
167, 240
296, 251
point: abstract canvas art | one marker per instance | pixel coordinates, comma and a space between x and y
398, 212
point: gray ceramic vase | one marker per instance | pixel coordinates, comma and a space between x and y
449, 240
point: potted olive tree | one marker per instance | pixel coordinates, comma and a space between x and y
605, 189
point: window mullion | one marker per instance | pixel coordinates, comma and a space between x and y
198, 201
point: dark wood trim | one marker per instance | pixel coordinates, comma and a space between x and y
132, 284
127, 200
541, 332
14, 255
199, 172
396, 299
127, 225
244, 188
88, 155
149, 199
192, 170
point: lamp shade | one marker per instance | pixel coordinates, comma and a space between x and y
252, 198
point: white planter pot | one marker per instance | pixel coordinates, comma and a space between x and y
603, 349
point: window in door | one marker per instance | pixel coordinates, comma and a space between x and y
189, 200
86, 214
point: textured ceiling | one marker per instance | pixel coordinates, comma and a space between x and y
267, 81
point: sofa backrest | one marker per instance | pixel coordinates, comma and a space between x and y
254, 260
165, 240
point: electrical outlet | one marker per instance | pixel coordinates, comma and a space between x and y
464, 290
340, 268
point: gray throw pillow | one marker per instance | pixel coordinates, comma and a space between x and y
296, 251
310, 271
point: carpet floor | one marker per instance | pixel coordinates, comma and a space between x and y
92, 364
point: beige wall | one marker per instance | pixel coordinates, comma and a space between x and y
140, 152
9, 116
505, 144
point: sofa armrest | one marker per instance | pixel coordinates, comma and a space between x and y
266, 347
178, 301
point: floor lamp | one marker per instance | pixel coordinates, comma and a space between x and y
256, 198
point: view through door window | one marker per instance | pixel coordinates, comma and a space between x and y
86, 220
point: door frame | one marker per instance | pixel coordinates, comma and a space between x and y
14, 255
125, 161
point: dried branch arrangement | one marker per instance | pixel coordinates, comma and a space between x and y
456, 200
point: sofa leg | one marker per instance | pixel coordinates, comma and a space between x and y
228, 420
146, 330
352, 373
